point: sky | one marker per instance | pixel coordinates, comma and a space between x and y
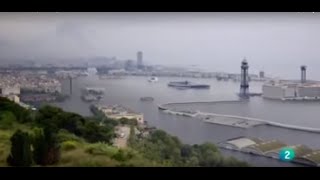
277, 43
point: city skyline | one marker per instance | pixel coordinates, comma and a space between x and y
271, 42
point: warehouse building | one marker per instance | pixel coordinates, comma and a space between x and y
292, 90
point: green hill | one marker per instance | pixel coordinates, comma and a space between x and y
59, 138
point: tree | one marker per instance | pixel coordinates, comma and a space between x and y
46, 146
21, 114
20, 150
186, 151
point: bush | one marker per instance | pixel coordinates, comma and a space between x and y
123, 155
87, 128
64, 135
7, 120
21, 114
101, 149
20, 154
125, 121
46, 147
69, 145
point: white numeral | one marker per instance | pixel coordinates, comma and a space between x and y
287, 154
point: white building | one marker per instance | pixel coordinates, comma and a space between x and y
291, 90
13, 98
118, 112
9, 90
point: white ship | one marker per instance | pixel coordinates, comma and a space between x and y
153, 79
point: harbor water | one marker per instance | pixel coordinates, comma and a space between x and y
129, 90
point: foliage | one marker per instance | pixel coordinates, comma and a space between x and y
7, 119
20, 150
86, 142
124, 155
125, 121
168, 150
64, 135
69, 145
87, 128
101, 149
46, 146
22, 115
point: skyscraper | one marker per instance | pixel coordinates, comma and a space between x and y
139, 60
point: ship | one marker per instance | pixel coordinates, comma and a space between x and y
146, 99
91, 98
187, 84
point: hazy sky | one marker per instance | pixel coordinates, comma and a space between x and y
277, 43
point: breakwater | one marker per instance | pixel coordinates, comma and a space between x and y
228, 120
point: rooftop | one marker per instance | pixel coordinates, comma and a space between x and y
242, 142
293, 83
313, 157
117, 109
268, 145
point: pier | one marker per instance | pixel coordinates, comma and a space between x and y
231, 120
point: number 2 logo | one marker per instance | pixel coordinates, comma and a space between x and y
287, 155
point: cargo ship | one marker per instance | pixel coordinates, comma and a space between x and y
187, 84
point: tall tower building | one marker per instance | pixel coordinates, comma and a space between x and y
244, 86
303, 74
139, 60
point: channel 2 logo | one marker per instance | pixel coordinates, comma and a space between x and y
286, 154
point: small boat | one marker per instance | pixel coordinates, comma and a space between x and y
153, 79
187, 84
146, 99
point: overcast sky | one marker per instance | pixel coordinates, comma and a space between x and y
277, 43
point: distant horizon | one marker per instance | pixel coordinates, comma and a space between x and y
277, 43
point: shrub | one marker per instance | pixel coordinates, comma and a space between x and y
20, 154
101, 149
69, 145
7, 119
46, 147
64, 135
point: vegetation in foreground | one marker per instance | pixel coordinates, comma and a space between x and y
52, 137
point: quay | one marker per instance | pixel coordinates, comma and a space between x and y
230, 120
271, 148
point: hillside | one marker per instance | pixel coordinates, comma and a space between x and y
53, 137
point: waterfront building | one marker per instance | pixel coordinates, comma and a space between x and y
119, 112
292, 89
271, 148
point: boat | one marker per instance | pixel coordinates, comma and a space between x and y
94, 90
91, 98
146, 99
153, 79
187, 84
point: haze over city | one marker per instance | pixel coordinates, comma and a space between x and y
159, 89
277, 43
